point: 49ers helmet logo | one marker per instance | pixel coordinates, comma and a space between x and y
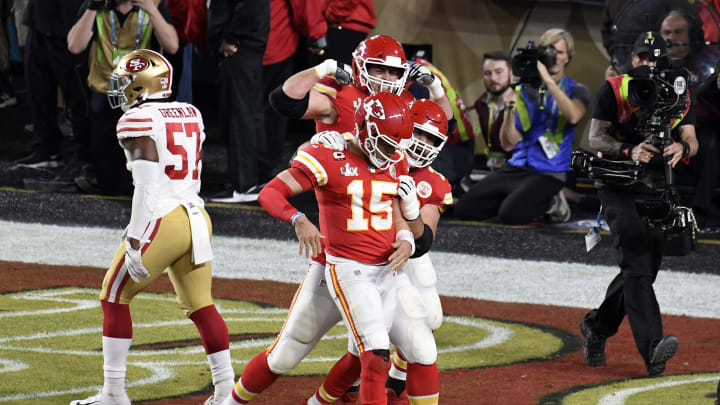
135, 65
375, 109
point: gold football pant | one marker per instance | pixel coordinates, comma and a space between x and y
169, 246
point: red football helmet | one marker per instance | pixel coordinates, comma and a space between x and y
429, 122
383, 126
379, 50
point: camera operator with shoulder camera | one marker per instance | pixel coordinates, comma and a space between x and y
626, 108
539, 127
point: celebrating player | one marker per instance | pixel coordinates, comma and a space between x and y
419, 310
366, 239
168, 227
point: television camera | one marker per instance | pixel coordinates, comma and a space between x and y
659, 97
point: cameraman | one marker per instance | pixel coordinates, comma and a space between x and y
539, 127
614, 133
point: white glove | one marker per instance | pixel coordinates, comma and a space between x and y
329, 67
409, 203
422, 76
134, 264
329, 139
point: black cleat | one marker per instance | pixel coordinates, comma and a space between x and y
594, 346
663, 351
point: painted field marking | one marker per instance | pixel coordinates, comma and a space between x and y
619, 397
163, 370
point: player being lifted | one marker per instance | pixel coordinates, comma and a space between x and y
168, 227
419, 310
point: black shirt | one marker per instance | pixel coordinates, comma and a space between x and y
52, 18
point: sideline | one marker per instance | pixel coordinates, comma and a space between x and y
459, 275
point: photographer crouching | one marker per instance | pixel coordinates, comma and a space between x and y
648, 125
539, 127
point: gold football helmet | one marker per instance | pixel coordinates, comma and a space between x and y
140, 75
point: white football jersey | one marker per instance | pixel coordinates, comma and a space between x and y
179, 132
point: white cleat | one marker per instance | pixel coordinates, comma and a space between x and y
102, 399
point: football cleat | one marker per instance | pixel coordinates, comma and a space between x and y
394, 399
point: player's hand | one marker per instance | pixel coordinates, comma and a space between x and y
409, 203
673, 153
134, 264
644, 152
329, 139
309, 237
330, 67
403, 250
421, 75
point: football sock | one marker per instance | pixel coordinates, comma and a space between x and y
423, 384
372, 377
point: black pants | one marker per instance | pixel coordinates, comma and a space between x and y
455, 161
241, 111
341, 44
275, 123
639, 250
48, 64
515, 195
108, 158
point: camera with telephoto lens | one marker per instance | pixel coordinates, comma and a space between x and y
524, 63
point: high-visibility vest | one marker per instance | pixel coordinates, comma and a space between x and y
101, 50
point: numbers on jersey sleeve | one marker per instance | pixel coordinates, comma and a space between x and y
191, 130
383, 207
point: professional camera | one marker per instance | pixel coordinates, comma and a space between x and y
524, 63
677, 223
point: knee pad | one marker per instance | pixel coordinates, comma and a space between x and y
422, 348
286, 354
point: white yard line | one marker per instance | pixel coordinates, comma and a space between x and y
461, 275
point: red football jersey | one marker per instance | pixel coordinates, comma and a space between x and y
347, 99
432, 188
355, 201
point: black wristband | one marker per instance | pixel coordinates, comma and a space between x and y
626, 151
686, 149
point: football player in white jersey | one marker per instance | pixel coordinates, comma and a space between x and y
168, 227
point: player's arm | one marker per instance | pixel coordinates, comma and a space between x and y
145, 172
296, 100
274, 198
404, 244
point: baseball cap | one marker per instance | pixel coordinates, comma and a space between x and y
649, 42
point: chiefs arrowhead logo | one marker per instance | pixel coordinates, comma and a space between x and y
374, 108
135, 65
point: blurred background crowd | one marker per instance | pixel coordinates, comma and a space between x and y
56, 56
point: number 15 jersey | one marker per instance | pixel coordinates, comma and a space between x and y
178, 132
355, 201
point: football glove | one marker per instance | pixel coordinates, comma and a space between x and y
134, 264
408, 198
329, 67
422, 76
329, 139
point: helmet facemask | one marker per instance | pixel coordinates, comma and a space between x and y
377, 146
382, 85
116, 93
422, 153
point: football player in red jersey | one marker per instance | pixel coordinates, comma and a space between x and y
168, 227
419, 311
330, 94
365, 237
